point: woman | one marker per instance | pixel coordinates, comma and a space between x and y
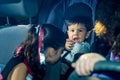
43, 44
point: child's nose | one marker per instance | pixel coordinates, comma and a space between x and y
76, 32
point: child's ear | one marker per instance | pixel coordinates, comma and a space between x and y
88, 34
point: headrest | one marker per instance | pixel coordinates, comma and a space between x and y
78, 9
25, 8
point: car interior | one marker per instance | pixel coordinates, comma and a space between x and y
17, 15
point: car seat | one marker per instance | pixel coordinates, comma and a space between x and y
45, 8
58, 15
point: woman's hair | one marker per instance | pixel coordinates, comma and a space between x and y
86, 21
116, 46
53, 37
108, 13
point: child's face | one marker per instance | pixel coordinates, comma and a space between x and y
77, 32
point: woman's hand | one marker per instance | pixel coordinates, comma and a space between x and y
69, 44
85, 64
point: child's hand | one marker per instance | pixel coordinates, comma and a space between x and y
69, 44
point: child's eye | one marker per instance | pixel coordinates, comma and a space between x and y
72, 30
80, 30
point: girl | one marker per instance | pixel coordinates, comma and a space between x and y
41, 46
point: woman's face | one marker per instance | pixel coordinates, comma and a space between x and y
77, 32
52, 55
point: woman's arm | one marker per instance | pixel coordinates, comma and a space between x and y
18, 73
85, 64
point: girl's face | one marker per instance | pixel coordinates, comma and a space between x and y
77, 32
52, 55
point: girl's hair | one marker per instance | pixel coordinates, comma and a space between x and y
87, 21
53, 37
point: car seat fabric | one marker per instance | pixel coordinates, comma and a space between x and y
56, 16
45, 8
